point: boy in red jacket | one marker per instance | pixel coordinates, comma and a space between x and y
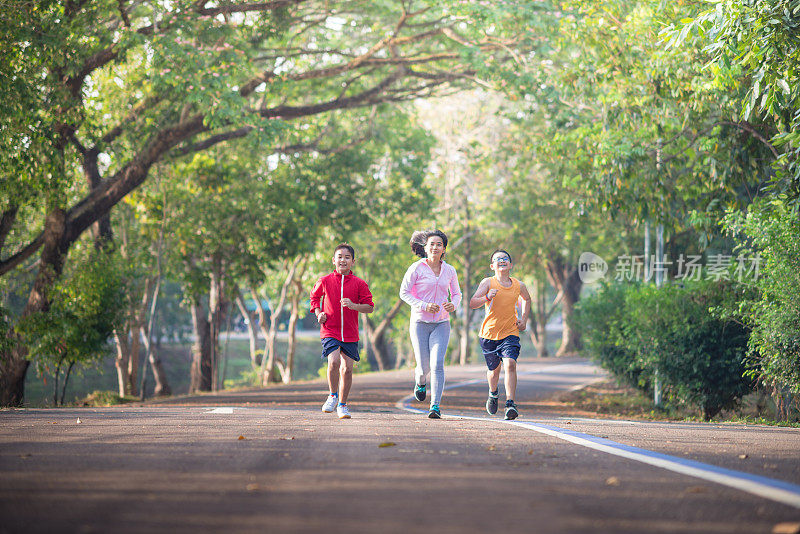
343, 296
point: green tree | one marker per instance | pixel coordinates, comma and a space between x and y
753, 49
102, 91
87, 306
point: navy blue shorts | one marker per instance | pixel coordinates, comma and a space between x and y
495, 350
330, 344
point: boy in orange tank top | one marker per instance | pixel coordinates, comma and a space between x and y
499, 335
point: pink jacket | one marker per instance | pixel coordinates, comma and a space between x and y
420, 287
342, 323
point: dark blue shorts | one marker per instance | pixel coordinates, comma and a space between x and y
495, 350
330, 344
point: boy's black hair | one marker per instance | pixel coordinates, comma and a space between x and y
504, 252
350, 249
420, 238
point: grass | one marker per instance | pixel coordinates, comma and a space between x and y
614, 400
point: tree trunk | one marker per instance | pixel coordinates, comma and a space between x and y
66, 381
214, 319
539, 324
377, 336
122, 360
13, 361
570, 338
56, 374
466, 334
252, 333
293, 318
133, 360
403, 349
270, 358
201, 351
564, 277
162, 387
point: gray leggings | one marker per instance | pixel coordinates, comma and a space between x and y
430, 345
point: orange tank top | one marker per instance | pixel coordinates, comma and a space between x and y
501, 312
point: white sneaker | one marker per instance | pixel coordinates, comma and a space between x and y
330, 404
342, 411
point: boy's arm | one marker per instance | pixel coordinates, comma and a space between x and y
480, 296
317, 293
364, 304
362, 308
522, 322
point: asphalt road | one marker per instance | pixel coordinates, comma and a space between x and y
271, 461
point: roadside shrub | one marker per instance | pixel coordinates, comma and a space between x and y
699, 352
100, 398
600, 319
772, 230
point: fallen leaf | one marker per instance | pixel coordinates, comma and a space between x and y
25, 455
241, 438
786, 528
253, 487
696, 489
287, 439
491, 448
612, 481
78, 421
530, 451
743, 457
387, 444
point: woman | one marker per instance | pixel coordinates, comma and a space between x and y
430, 287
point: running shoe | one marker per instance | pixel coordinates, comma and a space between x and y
342, 411
511, 410
330, 403
419, 392
491, 403
434, 412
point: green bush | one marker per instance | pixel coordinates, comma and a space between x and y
600, 319
699, 353
772, 230
105, 398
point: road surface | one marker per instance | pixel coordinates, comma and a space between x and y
271, 461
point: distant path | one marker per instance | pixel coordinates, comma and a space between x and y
179, 466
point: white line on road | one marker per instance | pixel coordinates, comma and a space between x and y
221, 410
768, 488
776, 490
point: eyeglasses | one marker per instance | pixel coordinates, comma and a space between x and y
502, 258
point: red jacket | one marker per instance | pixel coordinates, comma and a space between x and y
342, 323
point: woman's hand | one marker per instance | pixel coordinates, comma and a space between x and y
449, 307
432, 307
